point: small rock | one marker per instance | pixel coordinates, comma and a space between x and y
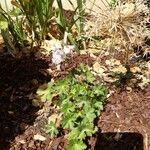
11, 112
39, 137
22, 141
129, 89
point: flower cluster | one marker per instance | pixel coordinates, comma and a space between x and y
59, 53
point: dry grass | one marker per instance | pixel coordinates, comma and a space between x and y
120, 27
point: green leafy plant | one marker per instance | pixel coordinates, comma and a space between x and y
80, 100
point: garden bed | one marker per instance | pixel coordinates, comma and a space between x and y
72, 79
124, 122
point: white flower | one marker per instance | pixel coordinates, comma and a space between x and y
57, 54
68, 49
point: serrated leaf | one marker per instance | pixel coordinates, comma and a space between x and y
51, 129
80, 101
85, 130
63, 86
89, 116
76, 145
90, 77
45, 92
69, 120
98, 68
67, 107
74, 134
99, 90
82, 68
98, 105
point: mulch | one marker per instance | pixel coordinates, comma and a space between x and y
124, 123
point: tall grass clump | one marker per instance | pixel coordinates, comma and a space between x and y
38, 14
12, 30
34, 21
72, 27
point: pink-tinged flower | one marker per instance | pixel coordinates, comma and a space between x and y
57, 54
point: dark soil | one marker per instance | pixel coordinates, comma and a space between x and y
19, 80
124, 123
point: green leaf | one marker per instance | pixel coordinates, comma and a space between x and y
63, 86
81, 103
51, 129
79, 90
98, 105
85, 130
76, 145
82, 68
67, 107
3, 25
89, 116
74, 134
45, 92
74, 89
90, 77
68, 121
82, 89
99, 90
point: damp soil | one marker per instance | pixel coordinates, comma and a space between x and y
124, 123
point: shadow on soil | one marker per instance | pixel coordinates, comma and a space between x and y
119, 141
19, 80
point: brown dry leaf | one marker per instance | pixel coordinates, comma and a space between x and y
108, 62
135, 69
48, 44
39, 137
93, 51
92, 55
119, 69
98, 68
144, 82
58, 68
109, 79
112, 62
80, 78
148, 65
55, 118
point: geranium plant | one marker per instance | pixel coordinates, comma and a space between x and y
80, 100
